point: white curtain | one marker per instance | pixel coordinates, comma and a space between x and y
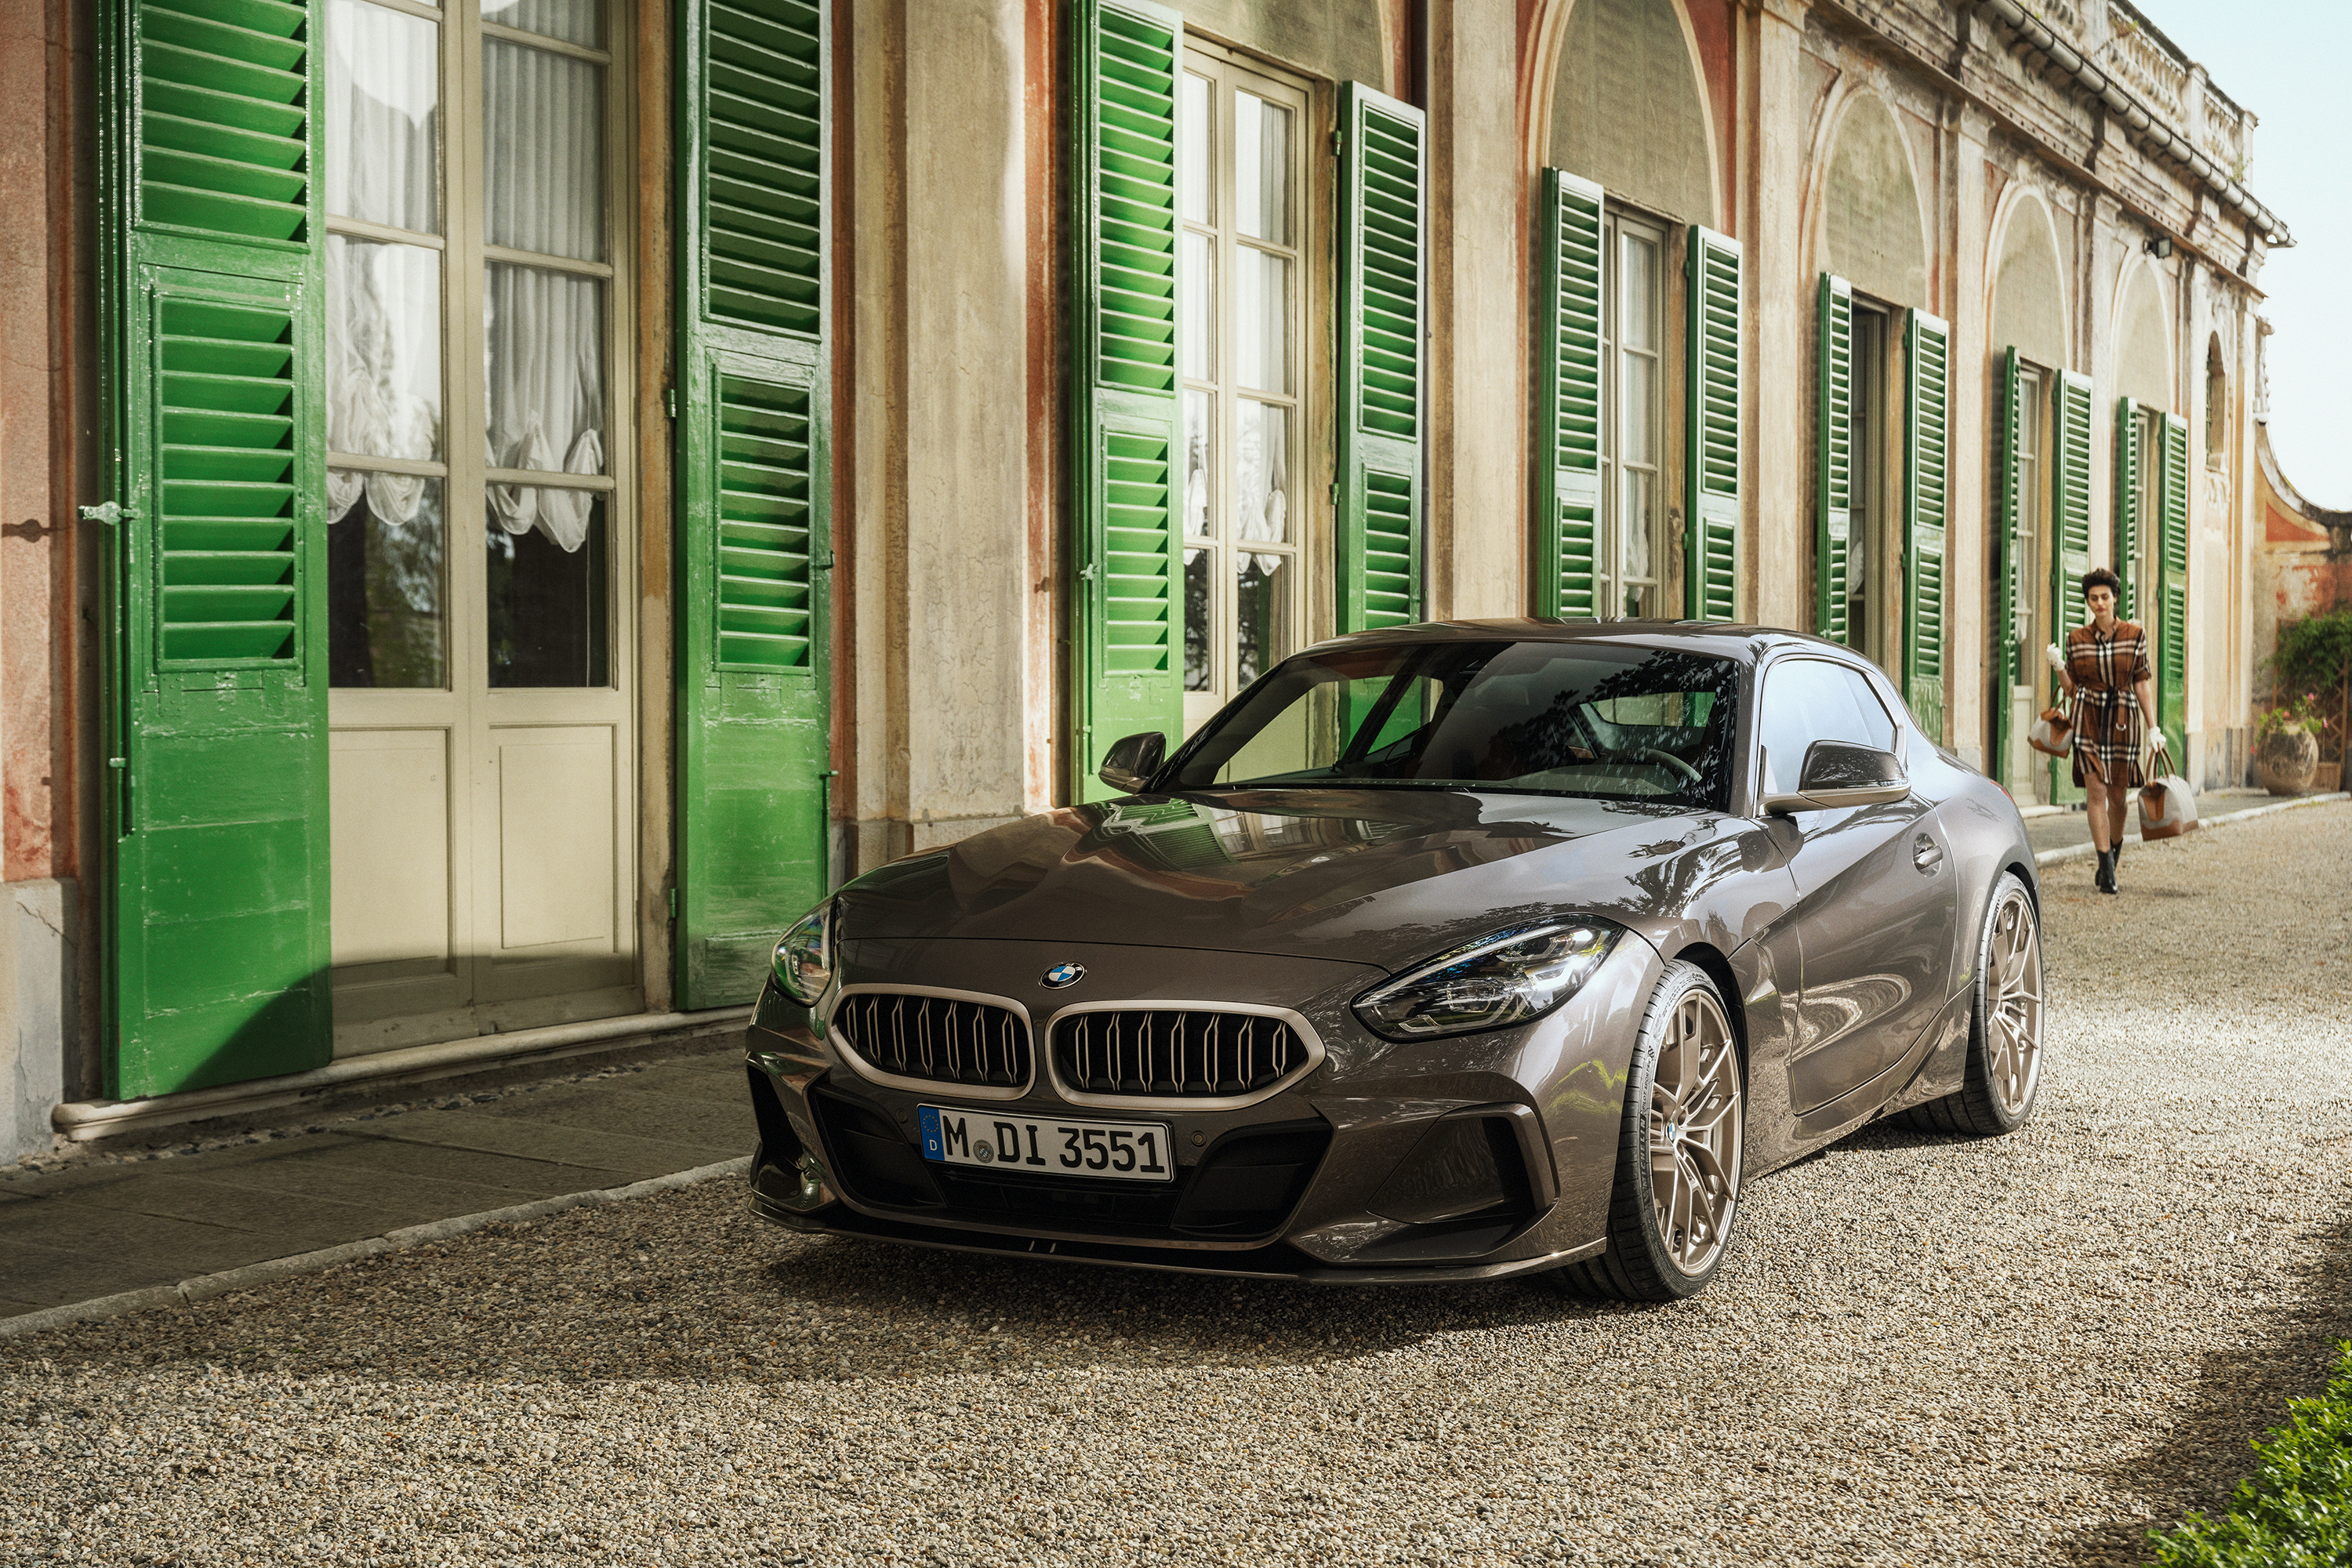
543, 330
383, 302
384, 370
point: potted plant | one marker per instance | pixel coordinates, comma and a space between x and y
2314, 657
2286, 746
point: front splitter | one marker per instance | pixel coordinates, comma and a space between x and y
1275, 1260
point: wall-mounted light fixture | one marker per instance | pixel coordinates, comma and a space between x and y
2160, 247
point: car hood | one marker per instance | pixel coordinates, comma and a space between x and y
1378, 877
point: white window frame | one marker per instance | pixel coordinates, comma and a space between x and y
1229, 73
1614, 586
424, 1000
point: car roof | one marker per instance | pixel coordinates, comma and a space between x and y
1746, 643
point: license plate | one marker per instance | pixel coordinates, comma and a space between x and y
1106, 1151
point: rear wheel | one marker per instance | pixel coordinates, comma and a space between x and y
1682, 1150
2004, 1072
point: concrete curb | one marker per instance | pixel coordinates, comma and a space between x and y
2085, 851
204, 1286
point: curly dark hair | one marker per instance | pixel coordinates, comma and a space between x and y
2100, 577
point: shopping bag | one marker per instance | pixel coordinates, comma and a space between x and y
2168, 809
2052, 733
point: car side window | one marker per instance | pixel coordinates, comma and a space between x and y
1809, 699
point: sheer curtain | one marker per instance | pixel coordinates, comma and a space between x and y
543, 330
383, 301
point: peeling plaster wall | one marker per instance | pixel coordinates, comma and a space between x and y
2029, 305
1870, 219
1626, 109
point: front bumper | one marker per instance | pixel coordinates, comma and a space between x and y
1471, 1158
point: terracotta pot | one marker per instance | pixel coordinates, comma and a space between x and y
2287, 761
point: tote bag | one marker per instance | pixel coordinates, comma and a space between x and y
2052, 733
2168, 809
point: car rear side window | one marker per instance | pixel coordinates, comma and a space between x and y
1809, 699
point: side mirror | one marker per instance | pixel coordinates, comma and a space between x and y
1131, 760
1841, 774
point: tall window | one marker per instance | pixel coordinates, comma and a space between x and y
1633, 395
1870, 555
2018, 686
2147, 509
482, 723
1241, 174
2217, 404
465, 168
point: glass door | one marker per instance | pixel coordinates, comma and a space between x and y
1240, 172
483, 772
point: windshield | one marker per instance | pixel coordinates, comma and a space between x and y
1573, 719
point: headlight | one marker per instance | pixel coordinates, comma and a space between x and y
1504, 978
805, 958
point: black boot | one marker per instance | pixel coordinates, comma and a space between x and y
2106, 878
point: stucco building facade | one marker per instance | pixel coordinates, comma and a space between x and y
886, 405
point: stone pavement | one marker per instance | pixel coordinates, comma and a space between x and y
105, 1227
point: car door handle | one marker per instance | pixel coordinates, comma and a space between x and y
1926, 854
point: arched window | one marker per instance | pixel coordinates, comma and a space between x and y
2217, 403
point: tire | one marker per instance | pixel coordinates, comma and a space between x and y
1666, 1241
2005, 1023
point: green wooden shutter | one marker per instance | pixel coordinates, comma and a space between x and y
755, 525
1926, 506
2009, 567
2070, 495
2070, 510
1126, 467
2126, 507
1567, 397
1380, 350
1711, 492
2172, 591
214, 790
1832, 454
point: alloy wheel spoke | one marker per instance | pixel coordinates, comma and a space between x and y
1694, 1173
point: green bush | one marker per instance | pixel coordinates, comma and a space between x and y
2296, 1510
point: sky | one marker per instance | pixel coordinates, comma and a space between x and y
2290, 61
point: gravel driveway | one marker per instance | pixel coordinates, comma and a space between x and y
1921, 1350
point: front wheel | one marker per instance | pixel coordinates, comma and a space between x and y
2004, 1070
1682, 1150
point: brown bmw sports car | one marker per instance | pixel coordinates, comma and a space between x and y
1444, 952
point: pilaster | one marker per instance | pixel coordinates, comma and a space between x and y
1779, 479
1967, 297
1475, 493
938, 663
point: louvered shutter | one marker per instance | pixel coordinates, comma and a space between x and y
2070, 512
1711, 432
1926, 490
2172, 616
2070, 482
1567, 397
753, 535
1380, 353
215, 790
1832, 454
2009, 582
2127, 508
1127, 473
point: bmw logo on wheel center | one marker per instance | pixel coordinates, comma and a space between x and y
1063, 975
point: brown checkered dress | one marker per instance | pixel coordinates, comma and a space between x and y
2107, 715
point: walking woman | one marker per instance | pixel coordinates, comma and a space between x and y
2106, 670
